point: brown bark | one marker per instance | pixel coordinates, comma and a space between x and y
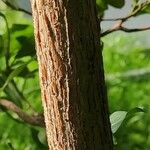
71, 75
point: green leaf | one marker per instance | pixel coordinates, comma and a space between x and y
1, 81
10, 146
136, 110
101, 5
117, 3
11, 92
146, 9
13, 74
27, 46
118, 117
42, 137
116, 120
35, 135
18, 27
133, 111
1, 45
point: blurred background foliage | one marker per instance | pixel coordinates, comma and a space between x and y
127, 68
127, 72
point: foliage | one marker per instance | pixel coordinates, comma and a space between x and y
116, 120
119, 117
128, 86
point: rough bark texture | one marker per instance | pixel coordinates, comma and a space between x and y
71, 75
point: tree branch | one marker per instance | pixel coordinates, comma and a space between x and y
37, 120
119, 25
121, 28
123, 19
18, 9
136, 9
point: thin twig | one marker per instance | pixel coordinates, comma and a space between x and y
121, 28
135, 30
123, 19
30, 119
135, 11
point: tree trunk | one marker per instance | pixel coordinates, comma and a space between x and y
71, 75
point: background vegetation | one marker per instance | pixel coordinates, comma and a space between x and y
127, 68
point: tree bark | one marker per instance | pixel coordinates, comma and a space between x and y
71, 75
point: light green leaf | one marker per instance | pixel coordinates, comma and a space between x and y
118, 117
116, 120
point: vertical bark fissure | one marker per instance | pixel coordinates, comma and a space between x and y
71, 75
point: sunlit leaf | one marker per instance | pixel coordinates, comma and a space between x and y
116, 120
